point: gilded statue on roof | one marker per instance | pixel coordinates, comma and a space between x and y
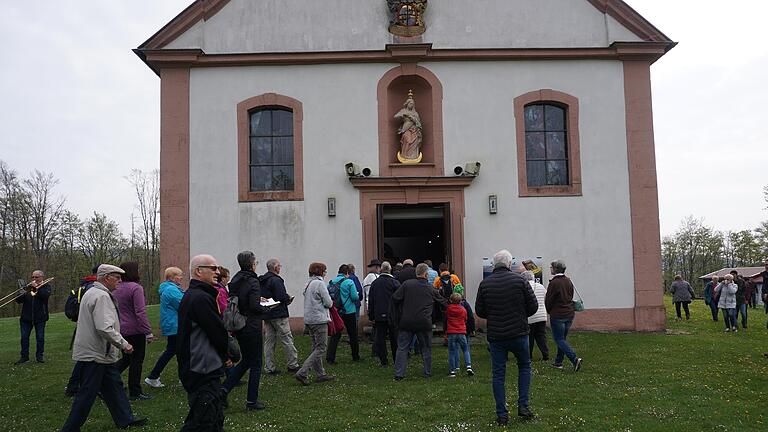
407, 17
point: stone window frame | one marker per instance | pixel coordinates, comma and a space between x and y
571, 106
244, 108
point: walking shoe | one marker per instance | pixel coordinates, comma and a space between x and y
154, 383
275, 372
470, 372
141, 397
21, 361
254, 406
136, 422
324, 378
557, 366
452, 374
525, 413
577, 365
398, 378
302, 379
502, 420
727, 330
735, 329
42, 360
293, 369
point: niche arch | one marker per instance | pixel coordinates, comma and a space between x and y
392, 91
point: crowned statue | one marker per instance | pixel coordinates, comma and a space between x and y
410, 132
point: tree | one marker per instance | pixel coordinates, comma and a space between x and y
146, 185
693, 250
101, 240
42, 214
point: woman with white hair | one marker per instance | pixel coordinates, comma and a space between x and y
538, 321
727, 292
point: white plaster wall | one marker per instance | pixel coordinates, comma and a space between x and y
340, 123
591, 232
258, 26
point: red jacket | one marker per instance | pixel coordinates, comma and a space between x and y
457, 319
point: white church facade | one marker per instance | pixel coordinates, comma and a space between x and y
534, 134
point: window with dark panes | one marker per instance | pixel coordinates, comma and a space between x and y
271, 153
546, 146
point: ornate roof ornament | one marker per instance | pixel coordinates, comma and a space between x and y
407, 17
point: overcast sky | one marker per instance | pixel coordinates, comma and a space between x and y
75, 101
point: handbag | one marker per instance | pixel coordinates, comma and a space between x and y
336, 324
578, 305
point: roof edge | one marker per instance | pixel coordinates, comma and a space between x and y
198, 10
631, 19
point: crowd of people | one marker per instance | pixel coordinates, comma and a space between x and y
404, 306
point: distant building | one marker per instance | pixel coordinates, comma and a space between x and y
265, 102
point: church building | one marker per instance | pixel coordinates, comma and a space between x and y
341, 131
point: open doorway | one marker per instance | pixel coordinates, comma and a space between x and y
419, 231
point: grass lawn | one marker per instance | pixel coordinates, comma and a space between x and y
694, 378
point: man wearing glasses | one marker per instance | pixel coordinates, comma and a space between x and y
96, 349
34, 313
202, 348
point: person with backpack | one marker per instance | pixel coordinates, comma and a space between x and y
171, 293
447, 282
245, 286
344, 294
72, 311
537, 323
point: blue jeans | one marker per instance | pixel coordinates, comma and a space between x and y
165, 357
729, 317
741, 309
499, 351
95, 378
456, 342
26, 331
251, 347
714, 309
560, 329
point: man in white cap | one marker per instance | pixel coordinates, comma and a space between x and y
97, 348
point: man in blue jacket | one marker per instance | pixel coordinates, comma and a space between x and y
345, 302
34, 313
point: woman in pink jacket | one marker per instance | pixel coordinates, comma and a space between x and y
134, 326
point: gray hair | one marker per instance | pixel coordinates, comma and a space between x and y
245, 260
527, 275
272, 264
558, 266
421, 269
386, 267
502, 258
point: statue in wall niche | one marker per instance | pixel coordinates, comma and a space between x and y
410, 132
406, 17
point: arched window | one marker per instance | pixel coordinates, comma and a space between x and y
270, 161
546, 145
269, 129
548, 154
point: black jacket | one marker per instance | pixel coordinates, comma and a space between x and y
506, 300
415, 299
407, 273
380, 297
245, 285
34, 309
273, 286
202, 338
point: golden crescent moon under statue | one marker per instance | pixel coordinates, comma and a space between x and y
409, 161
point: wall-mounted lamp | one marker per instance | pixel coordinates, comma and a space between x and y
331, 207
493, 204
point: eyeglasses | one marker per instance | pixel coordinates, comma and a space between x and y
209, 267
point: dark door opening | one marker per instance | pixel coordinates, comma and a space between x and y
419, 232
